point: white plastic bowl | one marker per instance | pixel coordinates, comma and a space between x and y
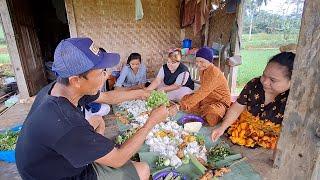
192, 127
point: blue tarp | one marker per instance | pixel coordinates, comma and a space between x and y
240, 170
9, 156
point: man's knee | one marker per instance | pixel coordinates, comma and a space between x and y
143, 170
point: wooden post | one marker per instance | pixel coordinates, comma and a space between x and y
206, 33
13, 49
298, 150
71, 18
236, 48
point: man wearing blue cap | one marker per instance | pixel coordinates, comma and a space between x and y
57, 142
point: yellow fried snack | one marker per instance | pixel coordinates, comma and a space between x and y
250, 131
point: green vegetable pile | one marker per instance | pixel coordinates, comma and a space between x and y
8, 140
218, 152
120, 139
200, 139
157, 99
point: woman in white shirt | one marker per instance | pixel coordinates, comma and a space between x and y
173, 78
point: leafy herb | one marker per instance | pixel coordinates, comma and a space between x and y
218, 152
157, 99
8, 140
200, 139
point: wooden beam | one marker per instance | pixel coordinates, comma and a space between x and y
206, 33
13, 49
298, 150
236, 38
71, 18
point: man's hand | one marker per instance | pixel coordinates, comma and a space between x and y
144, 94
158, 115
173, 110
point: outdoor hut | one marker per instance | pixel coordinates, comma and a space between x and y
34, 27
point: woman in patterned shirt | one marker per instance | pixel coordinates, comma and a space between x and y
264, 97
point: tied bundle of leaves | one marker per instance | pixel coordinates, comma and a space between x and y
157, 99
8, 140
218, 152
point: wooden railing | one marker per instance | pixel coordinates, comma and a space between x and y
190, 62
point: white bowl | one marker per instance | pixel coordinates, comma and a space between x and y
192, 127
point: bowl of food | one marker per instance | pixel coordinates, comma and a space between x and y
190, 118
168, 175
192, 127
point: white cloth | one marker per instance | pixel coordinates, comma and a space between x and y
139, 10
177, 95
181, 79
104, 110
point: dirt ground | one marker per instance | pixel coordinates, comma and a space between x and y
3, 50
260, 159
11, 118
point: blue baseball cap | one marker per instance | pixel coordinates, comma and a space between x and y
74, 56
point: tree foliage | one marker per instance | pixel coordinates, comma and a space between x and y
262, 21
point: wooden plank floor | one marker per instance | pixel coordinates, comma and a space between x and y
14, 115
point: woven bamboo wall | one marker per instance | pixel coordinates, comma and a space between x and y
112, 25
196, 40
220, 23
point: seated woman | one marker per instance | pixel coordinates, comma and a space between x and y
265, 99
173, 78
213, 98
133, 75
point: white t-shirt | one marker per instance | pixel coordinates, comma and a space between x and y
181, 79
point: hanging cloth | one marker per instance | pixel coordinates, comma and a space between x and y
139, 10
187, 12
201, 15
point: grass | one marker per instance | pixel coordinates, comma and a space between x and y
1, 33
263, 40
4, 59
3, 45
256, 53
253, 64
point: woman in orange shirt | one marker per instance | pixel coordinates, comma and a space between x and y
213, 97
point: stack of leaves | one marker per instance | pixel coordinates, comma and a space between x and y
251, 131
218, 152
8, 140
157, 99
